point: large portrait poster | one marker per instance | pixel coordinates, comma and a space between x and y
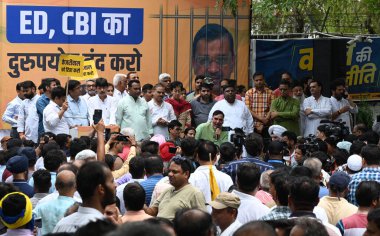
149, 37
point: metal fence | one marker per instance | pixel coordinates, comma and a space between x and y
192, 17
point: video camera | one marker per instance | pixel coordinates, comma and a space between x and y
238, 138
310, 145
336, 129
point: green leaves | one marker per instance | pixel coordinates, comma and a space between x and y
306, 16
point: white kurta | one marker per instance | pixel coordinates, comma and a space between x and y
236, 115
320, 110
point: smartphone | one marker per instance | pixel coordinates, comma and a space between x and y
107, 133
377, 118
172, 150
122, 138
97, 116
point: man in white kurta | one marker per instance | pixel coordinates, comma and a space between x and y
27, 122
236, 113
161, 112
53, 119
102, 102
316, 108
341, 107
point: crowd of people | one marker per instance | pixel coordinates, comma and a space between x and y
221, 160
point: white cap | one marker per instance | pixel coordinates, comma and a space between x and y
85, 154
163, 76
354, 162
276, 130
344, 145
127, 131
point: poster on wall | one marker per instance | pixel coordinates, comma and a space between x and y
178, 37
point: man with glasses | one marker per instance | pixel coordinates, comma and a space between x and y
285, 109
213, 54
181, 195
77, 113
90, 89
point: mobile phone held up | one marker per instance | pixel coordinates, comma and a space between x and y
97, 116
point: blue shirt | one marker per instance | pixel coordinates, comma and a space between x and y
149, 185
42, 102
77, 113
368, 173
24, 187
232, 167
51, 212
11, 113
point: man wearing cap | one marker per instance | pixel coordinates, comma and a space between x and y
334, 204
224, 213
202, 104
165, 80
370, 171
18, 166
16, 214
275, 132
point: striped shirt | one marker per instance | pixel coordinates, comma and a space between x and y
259, 102
149, 185
353, 225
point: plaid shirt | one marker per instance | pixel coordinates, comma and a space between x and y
368, 173
277, 213
259, 102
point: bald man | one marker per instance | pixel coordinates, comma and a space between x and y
53, 211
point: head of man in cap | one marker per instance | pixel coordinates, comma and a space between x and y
165, 80
18, 166
338, 184
354, 164
225, 211
16, 214
275, 131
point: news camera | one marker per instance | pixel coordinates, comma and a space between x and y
310, 145
336, 129
238, 137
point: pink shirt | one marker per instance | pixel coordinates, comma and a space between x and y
131, 216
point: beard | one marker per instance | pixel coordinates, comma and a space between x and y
338, 97
109, 197
91, 93
29, 95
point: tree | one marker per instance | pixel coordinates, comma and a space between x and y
306, 16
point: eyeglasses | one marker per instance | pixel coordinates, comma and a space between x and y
206, 60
